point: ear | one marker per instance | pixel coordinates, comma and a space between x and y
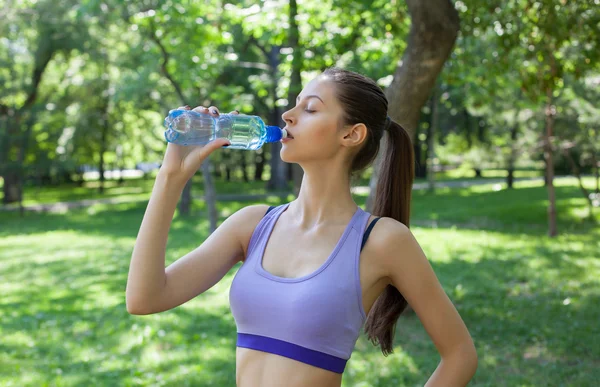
354, 135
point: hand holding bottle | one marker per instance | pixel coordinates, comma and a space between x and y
196, 127
181, 162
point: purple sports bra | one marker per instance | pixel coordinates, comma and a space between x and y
315, 319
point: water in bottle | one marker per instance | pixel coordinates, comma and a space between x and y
187, 127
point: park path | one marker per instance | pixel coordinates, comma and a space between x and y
61, 207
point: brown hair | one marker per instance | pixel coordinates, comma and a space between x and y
363, 101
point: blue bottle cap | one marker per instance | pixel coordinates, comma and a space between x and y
274, 134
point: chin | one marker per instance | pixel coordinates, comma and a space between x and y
287, 155
298, 155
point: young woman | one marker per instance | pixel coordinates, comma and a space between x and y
318, 269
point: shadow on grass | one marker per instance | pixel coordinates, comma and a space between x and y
531, 303
65, 323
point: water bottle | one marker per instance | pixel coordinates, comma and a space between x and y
187, 127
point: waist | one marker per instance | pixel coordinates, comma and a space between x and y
256, 368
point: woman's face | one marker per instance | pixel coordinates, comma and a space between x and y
313, 124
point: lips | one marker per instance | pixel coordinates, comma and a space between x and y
289, 135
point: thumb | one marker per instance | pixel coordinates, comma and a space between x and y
201, 153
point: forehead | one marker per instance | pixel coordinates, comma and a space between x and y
321, 86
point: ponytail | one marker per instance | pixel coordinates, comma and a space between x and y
393, 191
392, 199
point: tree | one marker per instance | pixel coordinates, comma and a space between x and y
55, 30
555, 38
185, 29
434, 28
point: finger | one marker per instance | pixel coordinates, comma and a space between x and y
200, 109
214, 111
235, 112
186, 107
203, 152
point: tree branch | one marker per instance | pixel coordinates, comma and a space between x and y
252, 40
165, 61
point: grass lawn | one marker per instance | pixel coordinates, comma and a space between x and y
531, 303
130, 188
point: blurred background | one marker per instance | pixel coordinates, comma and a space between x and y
501, 99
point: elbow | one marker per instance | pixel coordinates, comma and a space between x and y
470, 359
138, 307
137, 310
464, 360
474, 362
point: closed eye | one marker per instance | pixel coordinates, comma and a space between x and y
309, 111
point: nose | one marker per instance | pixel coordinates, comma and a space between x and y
288, 117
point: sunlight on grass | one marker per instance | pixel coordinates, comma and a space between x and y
531, 302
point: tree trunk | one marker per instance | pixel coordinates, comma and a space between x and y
185, 202
421, 167
468, 128
12, 177
278, 180
103, 145
11, 187
210, 195
576, 171
595, 166
244, 167
510, 178
259, 166
121, 164
550, 112
186, 195
434, 28
481, 127
295, 81
596, 172
431, 141
12, 182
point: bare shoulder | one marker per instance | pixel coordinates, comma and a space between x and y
387, 233
391, 244
245, 221
248, 213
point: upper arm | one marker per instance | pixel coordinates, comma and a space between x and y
410, 272
203, 267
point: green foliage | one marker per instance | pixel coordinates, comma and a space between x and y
104, 88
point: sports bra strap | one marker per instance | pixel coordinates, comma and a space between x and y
365, 236
368, 232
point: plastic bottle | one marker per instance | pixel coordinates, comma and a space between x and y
187, 127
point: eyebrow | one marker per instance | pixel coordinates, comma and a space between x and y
310, 96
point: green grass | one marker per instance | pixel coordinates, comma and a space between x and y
131, 189
532, 303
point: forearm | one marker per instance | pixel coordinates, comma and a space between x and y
454, 370
147, 268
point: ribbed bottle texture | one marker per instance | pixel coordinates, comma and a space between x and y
187, 127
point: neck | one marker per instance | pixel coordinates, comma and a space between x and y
324, 197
